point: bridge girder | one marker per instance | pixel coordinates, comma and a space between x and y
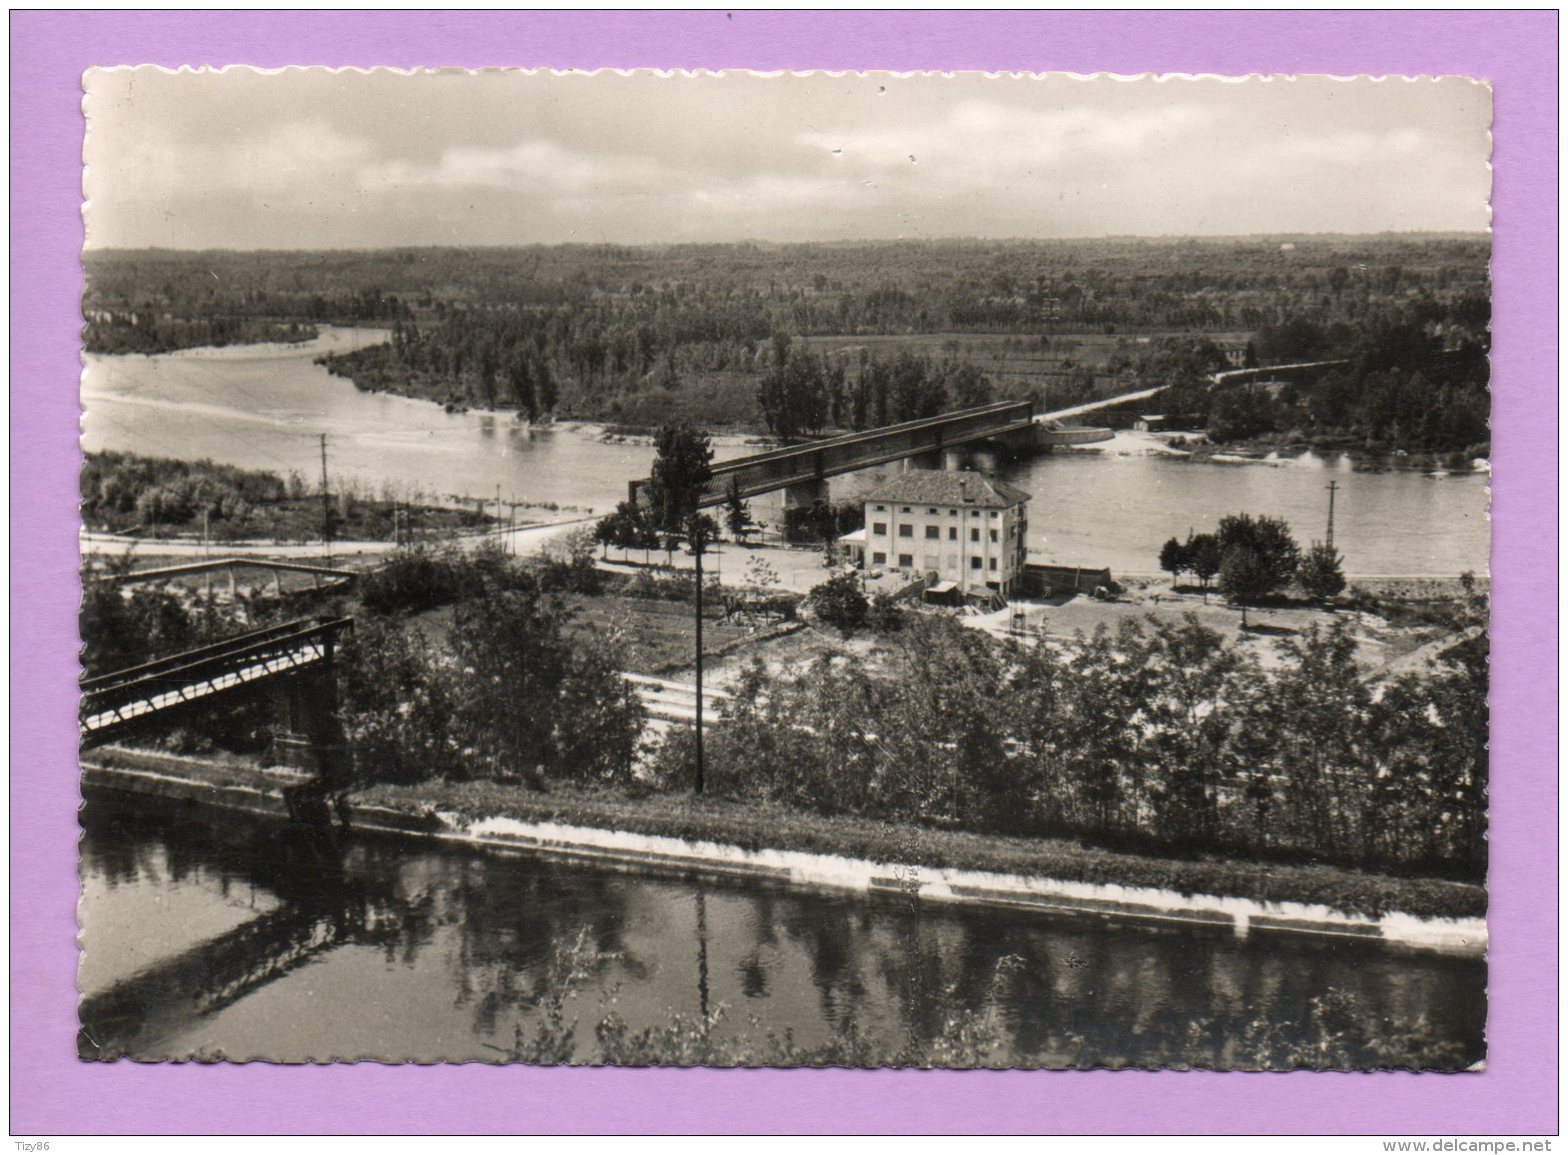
819, 460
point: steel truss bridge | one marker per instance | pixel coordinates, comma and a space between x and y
113, 704
816, 461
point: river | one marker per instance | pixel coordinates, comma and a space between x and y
220, 937
264, 407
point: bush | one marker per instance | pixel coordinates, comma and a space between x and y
1301, 763
840, 602
1320, 574
413, 580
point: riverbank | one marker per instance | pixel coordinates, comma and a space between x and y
682, 833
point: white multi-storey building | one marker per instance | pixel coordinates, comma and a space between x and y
958, 526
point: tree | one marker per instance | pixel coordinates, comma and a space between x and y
607, 530
682, 466
699, 532
795, 395
840, 602
1203, 558
527, 699
737, 511
1239, 413
1275, 552
1320, 573
1173, 558
1245, 577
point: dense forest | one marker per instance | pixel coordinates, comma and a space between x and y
804, 338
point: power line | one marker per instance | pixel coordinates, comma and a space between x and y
326, 505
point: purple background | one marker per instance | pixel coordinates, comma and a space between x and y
53, 1093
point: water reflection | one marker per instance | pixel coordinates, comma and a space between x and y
396, 951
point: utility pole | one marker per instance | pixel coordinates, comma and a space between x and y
1332, 487
326, 504
698, 545
206, 555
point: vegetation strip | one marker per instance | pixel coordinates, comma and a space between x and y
374, 811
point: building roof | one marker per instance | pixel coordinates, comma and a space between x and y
944, 487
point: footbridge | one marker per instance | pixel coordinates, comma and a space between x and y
802, 468
116, 703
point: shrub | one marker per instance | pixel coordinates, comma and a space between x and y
411, 581
1320, 574
840, 602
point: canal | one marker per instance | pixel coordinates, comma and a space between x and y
263, 407
213, 936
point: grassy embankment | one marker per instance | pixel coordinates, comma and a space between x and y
755, 826
764, 826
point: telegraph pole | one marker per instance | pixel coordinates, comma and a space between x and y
1332, 487
326, 504
699, 545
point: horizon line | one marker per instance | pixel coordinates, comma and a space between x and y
1283, 236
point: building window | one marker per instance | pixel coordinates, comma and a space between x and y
994, 515
881, 508
933, 533
974, 563
974, 535
879, 559
993, 563
974, 513
931, 510
906, 561
879, 528
952, 533
994, 537
906, 530
906, 509
952, 513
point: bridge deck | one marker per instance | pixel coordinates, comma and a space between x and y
817, 460
191, 569
113, 702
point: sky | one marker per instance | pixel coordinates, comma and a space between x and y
313, 158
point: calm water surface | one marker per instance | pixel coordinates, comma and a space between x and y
229, 940
263, 406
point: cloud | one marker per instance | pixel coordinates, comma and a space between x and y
988, 141
1338, 147
316, 158
527, 166
287, 160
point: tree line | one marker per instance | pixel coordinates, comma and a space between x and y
1159, 738
617, 333
1254, 558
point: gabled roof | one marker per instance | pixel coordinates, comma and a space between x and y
952, 488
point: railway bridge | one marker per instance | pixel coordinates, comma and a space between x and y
294, 663
801, 470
